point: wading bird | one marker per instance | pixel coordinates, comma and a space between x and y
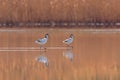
42, 41
43, 59
69, 40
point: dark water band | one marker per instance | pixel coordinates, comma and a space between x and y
60, 24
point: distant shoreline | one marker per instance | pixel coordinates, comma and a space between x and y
61, 24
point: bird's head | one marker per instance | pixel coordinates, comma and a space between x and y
46, 64
46, 35
71, 35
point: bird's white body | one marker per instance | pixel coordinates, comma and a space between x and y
42, 41
69, 40
42, 59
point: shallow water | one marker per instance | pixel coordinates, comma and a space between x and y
95, 56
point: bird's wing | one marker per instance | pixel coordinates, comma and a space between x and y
67, 40
41, 40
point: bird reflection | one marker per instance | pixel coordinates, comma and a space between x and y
68, 54
43, 59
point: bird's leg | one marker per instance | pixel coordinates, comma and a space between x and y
69, 46
40, 46
45, 49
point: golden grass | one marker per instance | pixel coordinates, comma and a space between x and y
59, 10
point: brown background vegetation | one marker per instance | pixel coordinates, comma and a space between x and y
59, 10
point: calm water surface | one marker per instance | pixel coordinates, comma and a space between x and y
95, 56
